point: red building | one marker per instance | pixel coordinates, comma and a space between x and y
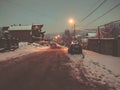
23, 33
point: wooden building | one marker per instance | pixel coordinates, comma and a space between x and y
23, 32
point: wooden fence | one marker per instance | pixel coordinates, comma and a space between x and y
107, 46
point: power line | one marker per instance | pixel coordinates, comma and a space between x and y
104, 13
93, 11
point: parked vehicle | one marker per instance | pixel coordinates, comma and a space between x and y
75, 48
53, 45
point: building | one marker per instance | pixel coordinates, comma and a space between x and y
110, 30
23, 32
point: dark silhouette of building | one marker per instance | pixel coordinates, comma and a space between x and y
26, 33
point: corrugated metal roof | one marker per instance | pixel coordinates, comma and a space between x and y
29, 27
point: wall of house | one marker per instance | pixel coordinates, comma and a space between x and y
22, 35
105, 46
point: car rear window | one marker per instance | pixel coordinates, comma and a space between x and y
76, 46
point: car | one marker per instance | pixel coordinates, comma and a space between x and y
75, 48
53, 45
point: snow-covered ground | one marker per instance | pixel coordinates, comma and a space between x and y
98, 68
24, 49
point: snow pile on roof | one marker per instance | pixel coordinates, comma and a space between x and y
97, 68
91, 34
24, 49
27, 27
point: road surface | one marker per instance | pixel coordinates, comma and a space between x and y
41, 71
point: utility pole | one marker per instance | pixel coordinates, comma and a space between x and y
71, 21
74, 31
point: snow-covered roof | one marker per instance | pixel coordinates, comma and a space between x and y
28, 27
91, 34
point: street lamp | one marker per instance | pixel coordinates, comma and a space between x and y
71, 21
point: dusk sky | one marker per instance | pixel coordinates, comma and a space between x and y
54, 14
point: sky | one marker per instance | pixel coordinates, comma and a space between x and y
54, 14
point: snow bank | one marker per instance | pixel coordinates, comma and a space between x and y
97, 68
24, 49
75, 64
112, 63
103, 68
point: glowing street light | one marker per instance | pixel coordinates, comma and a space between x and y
71, 21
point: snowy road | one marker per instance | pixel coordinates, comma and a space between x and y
42, 71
